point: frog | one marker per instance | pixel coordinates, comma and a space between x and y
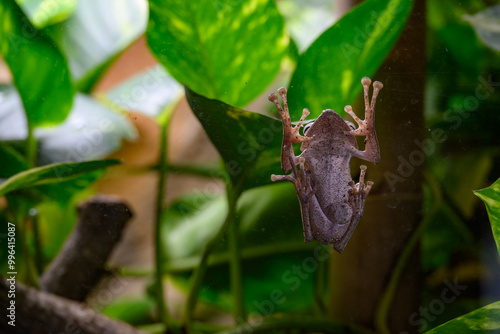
331, 202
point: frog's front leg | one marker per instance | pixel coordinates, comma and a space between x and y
290, 134
367, 126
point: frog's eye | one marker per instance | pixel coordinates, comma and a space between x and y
351, 125
306, 127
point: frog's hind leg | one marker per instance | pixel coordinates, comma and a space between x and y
357, 196
303, 188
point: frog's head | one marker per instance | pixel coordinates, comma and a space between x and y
308, 126
329, 126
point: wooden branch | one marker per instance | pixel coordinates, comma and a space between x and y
359, 277
38, 312
80, 263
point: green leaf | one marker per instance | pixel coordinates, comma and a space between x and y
135, 311
96, 33
483, 320
52, 174
491, 198
46, 12
194, 217
228, 51
328, 73
12, 161
64, 191
39, 69
249, 143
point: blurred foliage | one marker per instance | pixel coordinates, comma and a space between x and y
43, 13
47, 96
226, 53
358, 52
266, 267
487, 26
135, 311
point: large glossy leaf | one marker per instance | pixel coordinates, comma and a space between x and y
484, 320
249, 143
52, 174
328, 73
150, 92
225, 50
271, 242
491, 198
39, 69
91, 131
96, 32
46, 12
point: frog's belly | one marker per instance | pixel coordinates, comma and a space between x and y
330, 179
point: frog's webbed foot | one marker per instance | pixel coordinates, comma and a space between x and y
359, 191
366, 127
291, 134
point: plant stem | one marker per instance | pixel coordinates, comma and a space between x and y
319, 287
199, 272
31, 147
159, 258
38, 245
239, 312
206, 171
382, 313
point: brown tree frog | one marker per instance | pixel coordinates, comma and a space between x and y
331, 203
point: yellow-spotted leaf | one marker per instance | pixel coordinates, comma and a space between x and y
225, 50
491, 198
